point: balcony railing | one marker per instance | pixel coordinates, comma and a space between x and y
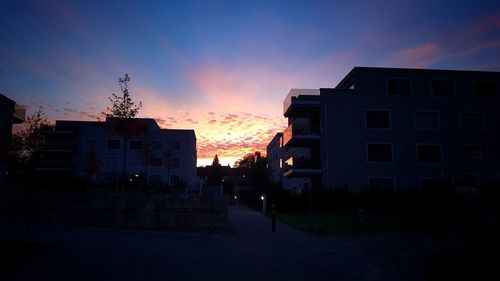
301, 132
301, 166
301, 97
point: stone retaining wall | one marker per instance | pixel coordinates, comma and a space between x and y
132, 210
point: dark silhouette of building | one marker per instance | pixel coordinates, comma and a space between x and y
10, 113
394, 129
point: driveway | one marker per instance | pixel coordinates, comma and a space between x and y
250, 252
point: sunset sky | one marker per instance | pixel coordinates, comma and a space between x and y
223, 68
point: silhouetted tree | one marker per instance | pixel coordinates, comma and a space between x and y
215, 174
31, 138
255, 166
216, 162
122, 106
123, 110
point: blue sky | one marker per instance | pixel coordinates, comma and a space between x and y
224, 67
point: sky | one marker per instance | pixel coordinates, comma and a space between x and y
223, 68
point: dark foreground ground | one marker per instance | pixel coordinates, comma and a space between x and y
249, 252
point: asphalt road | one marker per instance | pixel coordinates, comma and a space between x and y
250, 252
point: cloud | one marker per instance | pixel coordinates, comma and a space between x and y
419, 56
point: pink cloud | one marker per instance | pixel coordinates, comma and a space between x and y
419, 56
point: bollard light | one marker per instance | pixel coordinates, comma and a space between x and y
262, 198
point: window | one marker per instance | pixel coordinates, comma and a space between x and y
443, 88
471, 121
381, 184
377, 119
429, 153
175, 179
485, 89
426, 120
113, 144
399, 87
176, 145
472, 151
175, 162
156, 161
379, 152
157, 145
135, 144
111, 161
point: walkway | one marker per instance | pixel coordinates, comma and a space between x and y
251, 252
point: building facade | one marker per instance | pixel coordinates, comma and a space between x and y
274, 157
395, 129
10, 113
95, 150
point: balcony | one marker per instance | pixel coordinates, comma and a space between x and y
301, 167
301, 103
301, 135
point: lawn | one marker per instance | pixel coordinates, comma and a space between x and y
14, 255
324, 223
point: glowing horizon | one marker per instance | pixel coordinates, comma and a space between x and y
224, 69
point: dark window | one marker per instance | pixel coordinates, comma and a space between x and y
175, 179
176, 145
382, 184
486, 89
157, 145
429, 153
377, 119
379, 152
175, 162
135, 144
471, 121
156, 161
474, 152
443, 88
426, 120
399, 87
113, 144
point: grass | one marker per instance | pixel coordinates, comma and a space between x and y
334, 223
14, 255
